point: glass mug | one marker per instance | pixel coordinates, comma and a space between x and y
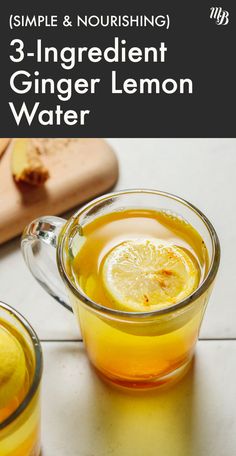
20, 419
131, 349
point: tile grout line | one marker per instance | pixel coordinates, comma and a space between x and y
206, 339
61, 340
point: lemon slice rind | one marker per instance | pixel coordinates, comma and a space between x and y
12, 367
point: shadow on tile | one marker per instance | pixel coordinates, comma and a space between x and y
99, 420
145, 423
9, 247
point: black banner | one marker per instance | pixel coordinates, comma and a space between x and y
165, 69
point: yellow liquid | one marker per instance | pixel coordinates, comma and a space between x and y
21, 437
134, 353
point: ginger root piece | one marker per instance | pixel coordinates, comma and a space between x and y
27, 165
3, 145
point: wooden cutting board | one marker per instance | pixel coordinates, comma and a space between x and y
87, 171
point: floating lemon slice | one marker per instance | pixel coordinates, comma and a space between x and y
145, 275
12, 367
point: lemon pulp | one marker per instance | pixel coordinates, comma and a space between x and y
148, 274
12, 367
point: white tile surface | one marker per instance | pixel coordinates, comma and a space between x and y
202, 171
82, 416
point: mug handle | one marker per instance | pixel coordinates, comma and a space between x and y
38, 245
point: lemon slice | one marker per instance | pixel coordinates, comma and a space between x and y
12, 367
144, 275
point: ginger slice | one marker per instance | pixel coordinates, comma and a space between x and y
27, 165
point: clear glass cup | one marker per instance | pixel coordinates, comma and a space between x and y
131, 349
20, 431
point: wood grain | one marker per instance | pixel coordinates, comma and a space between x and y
3, 145
87, 171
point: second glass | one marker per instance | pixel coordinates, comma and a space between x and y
20, 416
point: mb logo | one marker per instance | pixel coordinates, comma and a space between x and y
221, 16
